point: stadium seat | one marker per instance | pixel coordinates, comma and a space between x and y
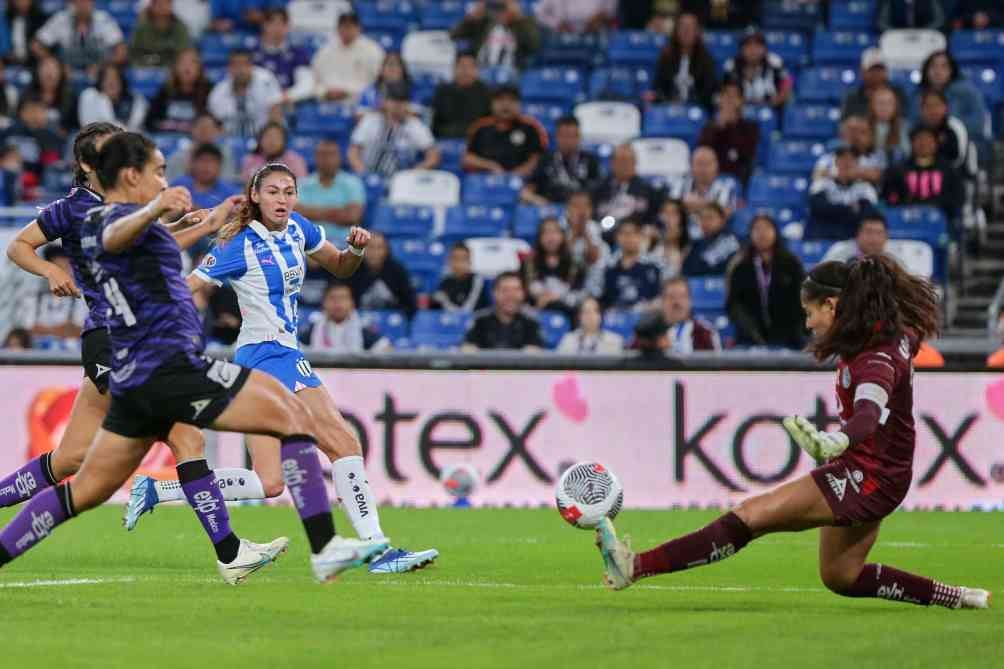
553, 326
840, 47
439, 329
475, 220
387, 16
635, 47
170, 143
811, 121
324, 119
124, 13
441, 15
452, 152
908, 80
316, 16
305, 145
668, 158
707, 294
917, 256
787, 15
429, 51
498, 190
621, 322
987, 80
570, 50
791, 47
419, 255
906, 49
546, 114
722, 45
215, 47
402, 220
626, 84
977, 46
608, 122
923, 223
774, 190
554, 85
490, 256
783, 216
852, 15
825, 84
810, 252
423, 87
681, 121
496, 76
425, 281
147, 81
528, 218
766, 119
389, 323
425, 187
794, 156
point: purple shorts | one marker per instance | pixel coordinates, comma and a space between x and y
855, 495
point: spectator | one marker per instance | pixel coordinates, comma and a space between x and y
585, 237
686, 71
724, 14
996, 359
924, 178
704, 185
245, 99
837, 204
159, 36
339, 328
889, 128
927, 14
50, 84
686, 333
551, 276
82, 37
624, 194
273, 147
290, 64
183, 98
710, 255
978, 14
205, 130
230, 15
460, 289
651, 341
869, 161
499, 32
18, 339
874, 76
953, 140
458, 104
46, 315
577, 16
673, 245
203, 178
506, 326
564, 171
733, 138
506, 141
630, 281
381, 282
11, 169
941, 73
764, 290
393, 73
392, 140
348, 63
24, 19
39, 146
590, 337
112, 101
762, 75
331, 196
871, 239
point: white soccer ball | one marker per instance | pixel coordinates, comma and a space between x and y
459, 480
587, 493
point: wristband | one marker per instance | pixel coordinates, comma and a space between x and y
356, 251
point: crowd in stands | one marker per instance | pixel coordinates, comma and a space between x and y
771, 135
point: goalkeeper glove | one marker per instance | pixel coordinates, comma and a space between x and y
820, 445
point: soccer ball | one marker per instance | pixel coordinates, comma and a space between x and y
588, 492
459, 480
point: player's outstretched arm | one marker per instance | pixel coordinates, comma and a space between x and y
121, 234
819, 445
343, 264
22, 252
204, 222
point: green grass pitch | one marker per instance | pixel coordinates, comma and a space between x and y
513, 588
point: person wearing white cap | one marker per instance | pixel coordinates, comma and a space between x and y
874, 75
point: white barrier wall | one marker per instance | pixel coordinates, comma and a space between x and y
696, 438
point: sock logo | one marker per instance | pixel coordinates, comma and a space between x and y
893, 591
720, 553
25, 483
204, 502
294, 477
361, 503
42, 524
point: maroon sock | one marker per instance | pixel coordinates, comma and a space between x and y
716, 541
877, 580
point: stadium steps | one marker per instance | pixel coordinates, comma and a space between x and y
984, 272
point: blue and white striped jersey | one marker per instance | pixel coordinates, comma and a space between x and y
266, 270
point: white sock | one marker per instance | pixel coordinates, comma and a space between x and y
169, 491
354, 491
236, 484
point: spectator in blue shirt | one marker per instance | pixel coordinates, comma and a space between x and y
331, 196
630, 281
203, 178
710, 255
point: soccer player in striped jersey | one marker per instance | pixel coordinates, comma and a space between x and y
871, 315
263, 256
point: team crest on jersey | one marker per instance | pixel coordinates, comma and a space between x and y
209, 261
845, 377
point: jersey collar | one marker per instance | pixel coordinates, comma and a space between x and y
262, 231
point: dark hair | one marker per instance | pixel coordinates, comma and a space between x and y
272, 125
873, 217
122, 151
460, 246
467, 54
921, 129
878, 301
240, 52
29, 99
18, 334
925, 81
207, 149
36, 80
382, 85
678, 279
85, 148
672, 54
507, 275
336, 285
112, 67
210, 116
732, 83
684, 228
566, 264
629, 221
348, 17
780, 248
895, 125
581, 193
506, 90
277, 11
568, 119
251, 211
201, 86
931, 93
715, 207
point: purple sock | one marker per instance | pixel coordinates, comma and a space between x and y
203, 494
35, 521
301, 471
27, 481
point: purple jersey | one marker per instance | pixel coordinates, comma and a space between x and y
283, 62
63, 220
153, 318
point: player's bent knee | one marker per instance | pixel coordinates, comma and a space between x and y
838, 578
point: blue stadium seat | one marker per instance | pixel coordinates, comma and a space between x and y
386, 16
441, 15
977, 46
439, 329
553, 85
146, 81
376, 188
389, 40
528, 218
169, 142
496, 76
419, 255
312, 42
825, 84
619, 83
775, 190
786, 15
403, 220
908, 80
452, 152
423, 87
794, 156
852, 15
722, 44
926, 224
792, 47
553, 326
492, 190
810, 252
635, 47
476, 221
547, 114
707, 295
743, 218
811, 121
240, 147
324, 119
215, 47
570, 49
840, 48
621, 322
389, 323
766, 118
681, 121
988, 80
124, 13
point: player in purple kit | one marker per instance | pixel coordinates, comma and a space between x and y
871, 315
159, 376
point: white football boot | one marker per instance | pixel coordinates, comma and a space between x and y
618, 558
250, 558
343, 553
974, 598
